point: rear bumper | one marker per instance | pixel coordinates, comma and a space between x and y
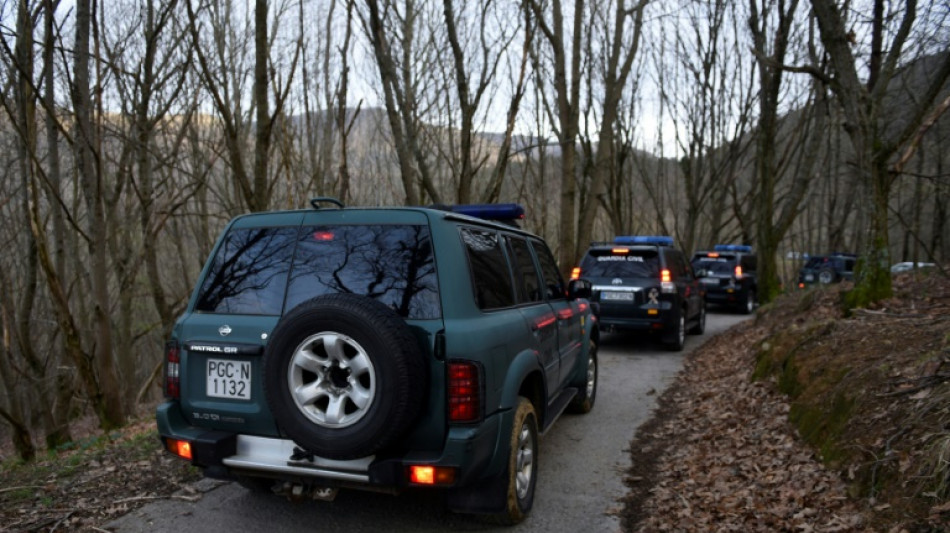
726, 295
475, 452
657, 323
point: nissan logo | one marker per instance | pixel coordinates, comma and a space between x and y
224, 330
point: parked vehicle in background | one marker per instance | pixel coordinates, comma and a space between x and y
644, 283
381, 349
824, 269
728, 273
905, 266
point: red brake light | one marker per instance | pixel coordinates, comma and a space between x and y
738, 272
323, 236
172, 370
665, 276
464, 392
576, 273
620, 250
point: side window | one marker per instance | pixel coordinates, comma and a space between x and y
553, 283
527, 281
491, 277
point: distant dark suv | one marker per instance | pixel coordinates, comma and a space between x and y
728, 274
824, 269
379, 349
644, 283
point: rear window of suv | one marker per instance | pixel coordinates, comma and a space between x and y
256, 268
716, 265
630, 264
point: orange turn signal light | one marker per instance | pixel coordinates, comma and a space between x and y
181, 448
431, 475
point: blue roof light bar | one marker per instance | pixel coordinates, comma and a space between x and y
659, 240
491, 211
733, 248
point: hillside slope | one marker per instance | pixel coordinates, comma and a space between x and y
806, 419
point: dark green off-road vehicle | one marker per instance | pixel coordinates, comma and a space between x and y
382, 349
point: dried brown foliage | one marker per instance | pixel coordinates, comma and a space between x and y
806, 420
101, 479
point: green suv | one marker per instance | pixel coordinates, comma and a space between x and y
379, 349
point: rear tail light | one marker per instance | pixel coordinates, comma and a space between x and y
172, 369
464, 392
666, 282
738, 272
576, 273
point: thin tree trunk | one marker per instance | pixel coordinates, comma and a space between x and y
104, 391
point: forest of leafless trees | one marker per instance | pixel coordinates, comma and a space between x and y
131, 131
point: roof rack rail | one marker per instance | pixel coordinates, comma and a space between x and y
315, 202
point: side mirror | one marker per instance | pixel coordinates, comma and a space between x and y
579, 288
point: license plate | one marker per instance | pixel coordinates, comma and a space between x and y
616, 296
710, 281
229, 379
809, 277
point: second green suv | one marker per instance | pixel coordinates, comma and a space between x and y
644, 283
380, 349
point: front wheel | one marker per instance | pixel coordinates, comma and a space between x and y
522, 471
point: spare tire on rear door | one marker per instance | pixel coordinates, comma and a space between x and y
344, 376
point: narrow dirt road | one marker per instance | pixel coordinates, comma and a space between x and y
582, 463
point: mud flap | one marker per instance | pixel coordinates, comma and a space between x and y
485, 497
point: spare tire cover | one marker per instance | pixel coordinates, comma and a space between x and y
343, 376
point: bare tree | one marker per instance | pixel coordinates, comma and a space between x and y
392, 32
493, 33
875, 136
771, 52
102, 387
708, 88
622, 46
562, 47
225, 84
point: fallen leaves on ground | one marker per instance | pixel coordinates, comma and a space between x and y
81, 489
720, 453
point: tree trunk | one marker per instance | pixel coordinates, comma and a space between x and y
103, 389
260, 200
